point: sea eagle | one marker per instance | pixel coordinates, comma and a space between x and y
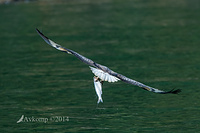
103, 73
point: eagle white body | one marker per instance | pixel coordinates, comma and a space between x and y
103, 75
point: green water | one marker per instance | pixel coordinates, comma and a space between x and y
155, 42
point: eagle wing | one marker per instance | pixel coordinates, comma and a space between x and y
104, 72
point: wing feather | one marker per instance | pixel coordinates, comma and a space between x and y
103, 76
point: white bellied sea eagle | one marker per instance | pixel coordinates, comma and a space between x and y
103, 73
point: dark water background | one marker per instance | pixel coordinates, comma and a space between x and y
154, 42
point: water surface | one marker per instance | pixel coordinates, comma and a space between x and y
156, 43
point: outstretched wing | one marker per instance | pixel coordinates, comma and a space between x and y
104, 69
59, 47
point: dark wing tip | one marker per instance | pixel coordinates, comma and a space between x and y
38, 30
40, 33
173, 91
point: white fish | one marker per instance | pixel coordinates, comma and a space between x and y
98, 88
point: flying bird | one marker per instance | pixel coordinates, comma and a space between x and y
103, 73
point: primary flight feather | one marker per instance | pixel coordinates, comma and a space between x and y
103, 73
